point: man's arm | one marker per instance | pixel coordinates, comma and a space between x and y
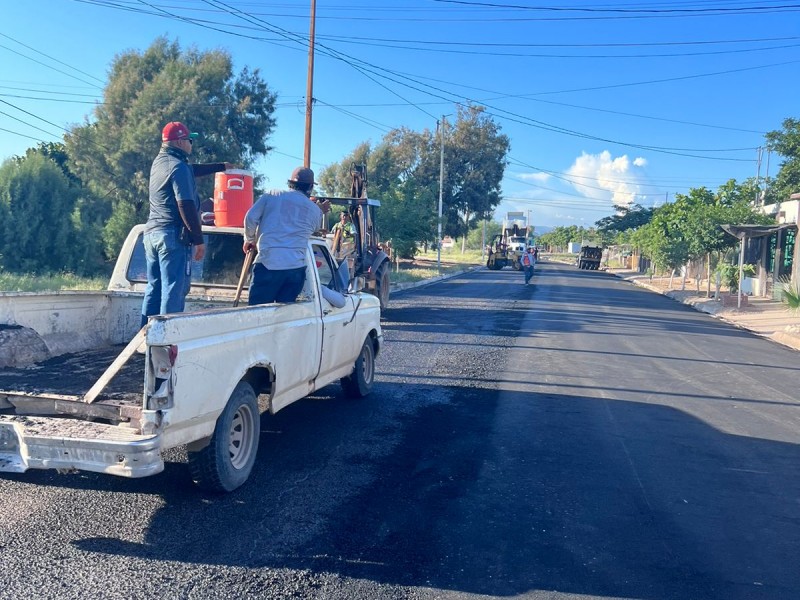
183, 186
203, 169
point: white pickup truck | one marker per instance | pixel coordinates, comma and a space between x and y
76, 393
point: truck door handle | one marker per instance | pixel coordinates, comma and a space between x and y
327, 311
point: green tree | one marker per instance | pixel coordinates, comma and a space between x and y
112, 153
37, 205
618, 228
786, 142
663, 240
404, 212
689, 228
405, 161
475, 161
336, 180
475, 238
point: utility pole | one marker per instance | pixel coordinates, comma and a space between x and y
528, 228
310, 86
441, 191
758, 175
483, 241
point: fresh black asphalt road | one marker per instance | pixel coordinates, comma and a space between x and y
576, 438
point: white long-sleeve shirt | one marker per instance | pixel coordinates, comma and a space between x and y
280, 222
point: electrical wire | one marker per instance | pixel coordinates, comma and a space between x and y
361, 68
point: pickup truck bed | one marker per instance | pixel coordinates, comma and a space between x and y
74, 373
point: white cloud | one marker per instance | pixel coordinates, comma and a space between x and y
535, 176
601, 177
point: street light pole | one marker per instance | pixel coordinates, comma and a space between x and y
441, 190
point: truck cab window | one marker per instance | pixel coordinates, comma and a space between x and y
327, 275
221, 265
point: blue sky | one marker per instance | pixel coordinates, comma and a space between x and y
604, 102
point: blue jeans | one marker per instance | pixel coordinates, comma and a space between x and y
528, 273
168, 273
275, 285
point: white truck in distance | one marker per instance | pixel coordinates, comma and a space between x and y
515, 230
72, 397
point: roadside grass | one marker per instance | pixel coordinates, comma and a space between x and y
413, 274
12, 282
424, 265
472, 257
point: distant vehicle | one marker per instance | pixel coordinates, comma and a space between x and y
589, 257
507, 247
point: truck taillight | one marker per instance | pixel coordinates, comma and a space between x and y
173, 355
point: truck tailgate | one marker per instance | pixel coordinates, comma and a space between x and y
63, 443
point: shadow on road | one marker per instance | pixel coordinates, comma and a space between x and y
544, 492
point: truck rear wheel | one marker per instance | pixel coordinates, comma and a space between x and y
382, 285
359, 383
226, 462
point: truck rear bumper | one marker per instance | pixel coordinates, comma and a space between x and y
59, 443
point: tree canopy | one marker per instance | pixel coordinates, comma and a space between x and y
404, 173
112, 153
689, 227
786, 142
42, 218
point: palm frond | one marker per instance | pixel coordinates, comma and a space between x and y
791, 294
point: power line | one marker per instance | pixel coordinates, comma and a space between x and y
26, 123
361, 68
632, 13
51, 58
30, 137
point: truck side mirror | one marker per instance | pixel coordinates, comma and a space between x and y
358, 284
342, 276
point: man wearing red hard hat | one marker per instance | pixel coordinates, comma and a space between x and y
173, 234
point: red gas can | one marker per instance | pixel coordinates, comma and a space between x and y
233, 197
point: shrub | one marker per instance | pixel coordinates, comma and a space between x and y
730, 274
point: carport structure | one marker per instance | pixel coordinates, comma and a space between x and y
772, 248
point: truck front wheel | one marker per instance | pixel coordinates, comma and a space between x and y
359, 383
226, 462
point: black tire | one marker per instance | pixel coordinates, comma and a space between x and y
516, 265
226, 462
382, 285
359, 383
